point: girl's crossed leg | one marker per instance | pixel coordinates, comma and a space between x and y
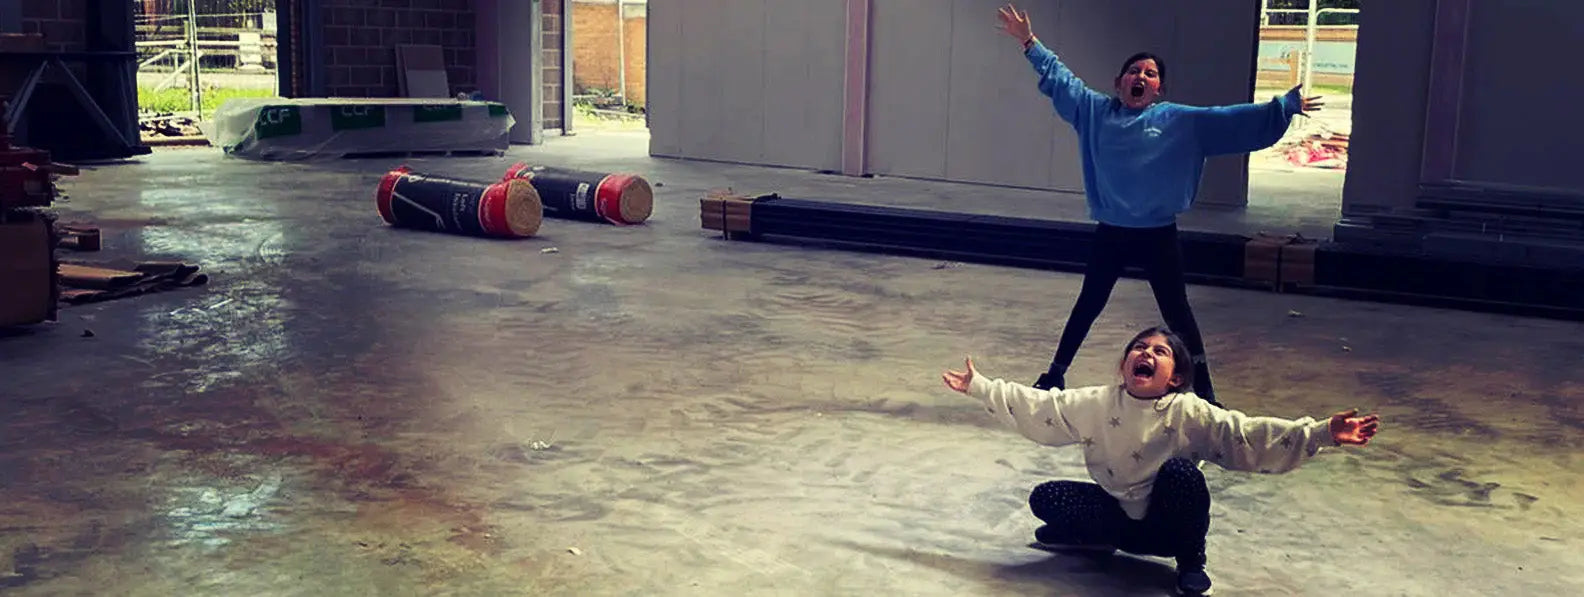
1080, 514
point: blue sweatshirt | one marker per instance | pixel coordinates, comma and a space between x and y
1142, 167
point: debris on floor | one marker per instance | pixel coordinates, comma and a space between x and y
157, 130
83, 283
1323, 149
78, 238
169, 125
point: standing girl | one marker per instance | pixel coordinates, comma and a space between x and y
1142, 160
1141, 440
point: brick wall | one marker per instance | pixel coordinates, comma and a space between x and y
361, 38
63, 22
595, 54
551, 38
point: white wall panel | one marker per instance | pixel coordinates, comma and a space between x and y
804, 62
664, 76
909, 75
1000, 126
752, 81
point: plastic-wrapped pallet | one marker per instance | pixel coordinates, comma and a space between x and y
326, 128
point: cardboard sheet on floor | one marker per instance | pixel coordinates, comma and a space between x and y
330, 128
82, 283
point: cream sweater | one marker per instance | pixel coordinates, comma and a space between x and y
1125, 440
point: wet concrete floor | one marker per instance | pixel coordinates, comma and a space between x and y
350, 409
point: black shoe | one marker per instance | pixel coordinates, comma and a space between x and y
1192, 579
1051, 380
1050, 539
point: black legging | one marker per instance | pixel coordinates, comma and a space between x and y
1174, 525
1158, 252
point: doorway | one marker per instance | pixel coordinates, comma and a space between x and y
194, 55
1311, 43
609, 65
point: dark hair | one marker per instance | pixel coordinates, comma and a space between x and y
1184, 366
1160, 66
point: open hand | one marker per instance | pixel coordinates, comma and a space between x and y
1016, 24
959, 380
1307, 104
1347, 428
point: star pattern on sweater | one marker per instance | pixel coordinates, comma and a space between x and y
1116, 422
1241, 440
1050, 421
1088, 442
1009, 410
1287, 441
1216, 456
1111, 472
1137, 457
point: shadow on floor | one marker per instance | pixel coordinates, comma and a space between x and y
1059, 574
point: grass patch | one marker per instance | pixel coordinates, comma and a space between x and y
586, 116
178, 99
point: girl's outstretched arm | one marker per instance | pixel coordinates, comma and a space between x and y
1040, 415
1242, 128
1069, 93
1072, 98
1270, 444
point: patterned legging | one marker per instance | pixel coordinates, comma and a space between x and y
1174, 525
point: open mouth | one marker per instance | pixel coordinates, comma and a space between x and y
1143, 369
1138, 90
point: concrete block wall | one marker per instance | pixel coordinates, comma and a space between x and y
551, 38
63, 22
361, 38
596, 55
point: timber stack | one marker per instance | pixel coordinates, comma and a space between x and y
28, 268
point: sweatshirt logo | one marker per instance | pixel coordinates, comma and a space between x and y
1152, 132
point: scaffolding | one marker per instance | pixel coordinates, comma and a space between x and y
183, 34
1311, 25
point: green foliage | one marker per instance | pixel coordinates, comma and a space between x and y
178, 100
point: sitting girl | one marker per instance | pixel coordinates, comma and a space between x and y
1142, 440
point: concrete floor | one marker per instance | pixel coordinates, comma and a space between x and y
350, 409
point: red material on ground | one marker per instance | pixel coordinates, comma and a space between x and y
25, 174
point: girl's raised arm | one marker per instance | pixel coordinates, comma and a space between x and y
1068, 93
